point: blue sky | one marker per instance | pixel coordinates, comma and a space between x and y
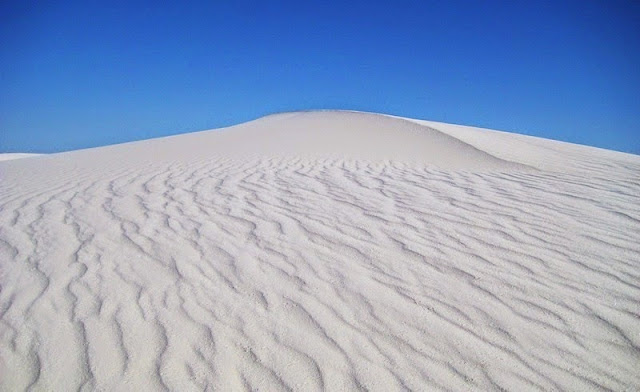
83, 74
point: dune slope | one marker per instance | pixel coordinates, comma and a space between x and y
11, 156
322, 251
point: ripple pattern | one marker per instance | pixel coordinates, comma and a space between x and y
320, 274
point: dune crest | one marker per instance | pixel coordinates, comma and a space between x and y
321, 251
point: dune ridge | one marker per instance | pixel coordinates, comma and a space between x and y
368, 253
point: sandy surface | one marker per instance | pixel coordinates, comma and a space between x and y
322, 251
8, 156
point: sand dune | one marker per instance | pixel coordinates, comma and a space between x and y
322, 251
11, 155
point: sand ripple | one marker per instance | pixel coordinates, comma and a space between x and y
320, 274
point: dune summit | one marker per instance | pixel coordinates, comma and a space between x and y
322, 251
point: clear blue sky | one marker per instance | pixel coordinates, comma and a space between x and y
82, 74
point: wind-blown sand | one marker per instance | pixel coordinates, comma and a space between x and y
322, 251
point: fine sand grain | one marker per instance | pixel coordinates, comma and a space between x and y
322, 251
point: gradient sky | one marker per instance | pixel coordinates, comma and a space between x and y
83, 74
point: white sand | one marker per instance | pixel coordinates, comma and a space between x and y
8, 156
322, 251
